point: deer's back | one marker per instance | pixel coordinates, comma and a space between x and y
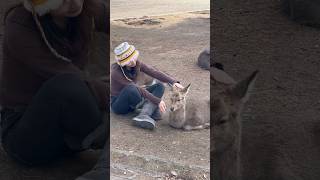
281, 148
197, 112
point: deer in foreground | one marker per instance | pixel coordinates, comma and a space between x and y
188, 114
227, 100
269, 147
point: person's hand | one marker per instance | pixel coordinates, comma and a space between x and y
162, 106
178, 85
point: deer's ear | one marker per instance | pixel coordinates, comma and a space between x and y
186, 89
174, 89
242, 89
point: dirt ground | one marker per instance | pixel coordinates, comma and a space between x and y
170, 43
249, 35
120, 10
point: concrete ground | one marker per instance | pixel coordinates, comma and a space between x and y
172, 44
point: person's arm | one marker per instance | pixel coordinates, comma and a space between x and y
35, 55
157, 74
117, 78
99, 9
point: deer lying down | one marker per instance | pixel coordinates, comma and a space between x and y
188, 114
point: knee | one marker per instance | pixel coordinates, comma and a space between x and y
63, 81
160, 86
65, 78
132, 90
67, 85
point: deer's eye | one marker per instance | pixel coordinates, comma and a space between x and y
222, 120
234, 115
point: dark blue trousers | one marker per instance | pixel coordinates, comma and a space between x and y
60, 116
130, 96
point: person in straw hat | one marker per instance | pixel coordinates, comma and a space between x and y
50, 106
126, 94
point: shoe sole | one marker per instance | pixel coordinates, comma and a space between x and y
143, 123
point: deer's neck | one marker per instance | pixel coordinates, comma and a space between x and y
180, 114
178, 118
227, 165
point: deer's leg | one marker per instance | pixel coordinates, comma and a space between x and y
189, 128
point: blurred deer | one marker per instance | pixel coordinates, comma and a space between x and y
227, 102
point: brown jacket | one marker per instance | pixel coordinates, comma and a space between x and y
27, 62
118, 80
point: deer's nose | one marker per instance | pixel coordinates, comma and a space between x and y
171, 109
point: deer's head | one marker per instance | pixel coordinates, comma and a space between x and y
225, 109
178, 98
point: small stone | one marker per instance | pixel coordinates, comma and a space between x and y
174, 173
130, 171
275, 78
205, 176
125, 173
